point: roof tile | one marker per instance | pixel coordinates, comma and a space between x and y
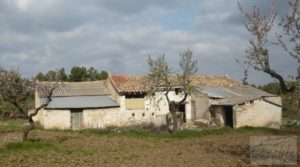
66, 89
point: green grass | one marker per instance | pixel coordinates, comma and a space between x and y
13, 125
27, 147
16, 125
141, 133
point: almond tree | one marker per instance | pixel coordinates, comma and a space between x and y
291, 31
47, 90
159, 79
14, 89
257, 55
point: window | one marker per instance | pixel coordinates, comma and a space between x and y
177, 91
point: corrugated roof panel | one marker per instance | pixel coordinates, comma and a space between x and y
215, 92
231, 101
82, 102
249, 91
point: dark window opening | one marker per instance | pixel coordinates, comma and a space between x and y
143, 114
132, 114
228, 116
177, 91
182, 109
135, 95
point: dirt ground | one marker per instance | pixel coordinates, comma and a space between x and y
89, 149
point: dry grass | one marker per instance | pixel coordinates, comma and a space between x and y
223, 147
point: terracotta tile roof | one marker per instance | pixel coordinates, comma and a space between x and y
137, 84
128, 84
67, 89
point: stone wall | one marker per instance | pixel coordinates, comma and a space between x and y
113, 117
258, 113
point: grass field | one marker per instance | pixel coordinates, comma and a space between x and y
222, 147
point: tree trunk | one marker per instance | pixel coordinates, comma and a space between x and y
283, 85
27, 130
31, 123
174, 121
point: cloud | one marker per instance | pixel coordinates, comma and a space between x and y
119, 35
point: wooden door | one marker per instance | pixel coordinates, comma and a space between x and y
76, 119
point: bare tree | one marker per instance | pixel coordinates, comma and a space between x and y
257, 53
15, 90
159, 78
47, 90
291, 31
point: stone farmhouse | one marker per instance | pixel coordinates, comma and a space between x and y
122, 101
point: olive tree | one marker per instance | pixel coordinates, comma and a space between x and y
159, 78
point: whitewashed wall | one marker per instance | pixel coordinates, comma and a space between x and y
60, 119
159, 104
155, 113
257, 114
102, 118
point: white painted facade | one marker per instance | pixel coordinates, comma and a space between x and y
155, 111
263, 112
259, 113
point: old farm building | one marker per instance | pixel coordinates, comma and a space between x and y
122, 100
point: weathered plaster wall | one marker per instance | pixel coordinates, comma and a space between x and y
60, 119
277, 100
102, 118
202, 106
257, 114
154, 112
135, 103
159, 104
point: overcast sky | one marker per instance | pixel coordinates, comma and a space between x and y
118, 35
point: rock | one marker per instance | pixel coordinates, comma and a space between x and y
202, 122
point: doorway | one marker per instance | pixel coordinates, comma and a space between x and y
228, 116
182, 110
76, 119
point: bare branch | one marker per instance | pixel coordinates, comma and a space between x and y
257, 55
47, 89
160, 79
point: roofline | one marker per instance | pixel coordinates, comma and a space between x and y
122, 92
268, 101
71, 81
68, 108
113, 83
76, 96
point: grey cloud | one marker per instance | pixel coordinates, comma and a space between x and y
119, 35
